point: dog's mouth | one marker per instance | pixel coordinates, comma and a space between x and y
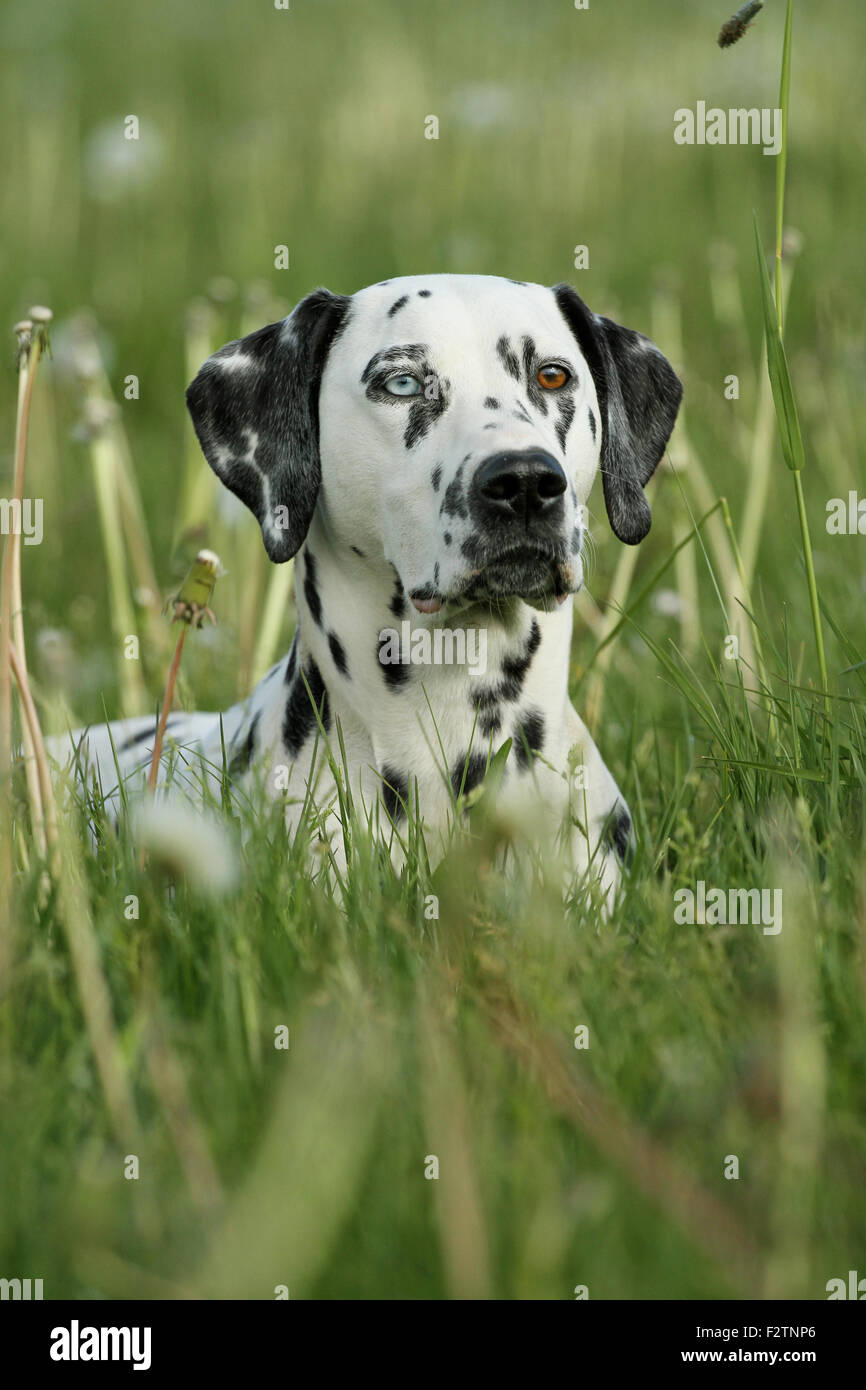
521, 572
544, 578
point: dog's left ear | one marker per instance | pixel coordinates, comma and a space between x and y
255, 408
639, 394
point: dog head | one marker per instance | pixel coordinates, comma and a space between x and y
450, 425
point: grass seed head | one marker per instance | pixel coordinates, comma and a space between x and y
731, 32
190, 603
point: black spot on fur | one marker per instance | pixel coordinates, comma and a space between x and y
137, 738
489, 699
292, 663
490, 720
565, 406
311, 592
537, 394
338, 652
593, 428
521, 413
514, 668
395, 673
424, 294
468, 773
436, 477
617, 833
436, 574
360, 554
447, 537
491, 403
394, 793
397, 305
454, 502
472, 549
508, 358
528, 736
494, 425
397, 604
242, 755
424, 412
299, 716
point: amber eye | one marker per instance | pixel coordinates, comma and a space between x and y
552, 376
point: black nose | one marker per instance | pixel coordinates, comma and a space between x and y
527, 483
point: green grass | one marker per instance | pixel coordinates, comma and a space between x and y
413, 1036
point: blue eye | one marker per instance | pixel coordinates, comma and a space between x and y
403, 385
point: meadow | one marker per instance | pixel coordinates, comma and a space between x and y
141, 1007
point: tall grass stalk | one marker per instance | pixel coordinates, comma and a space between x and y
190, 608
782, 164
197, 490
104, 461
45, 834
695, 484
778, 367
760, 464
32, 336
610, 619
167, 702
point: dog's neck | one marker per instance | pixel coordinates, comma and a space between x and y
384, 662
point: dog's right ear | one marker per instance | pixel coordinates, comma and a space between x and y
255, 408
639, 394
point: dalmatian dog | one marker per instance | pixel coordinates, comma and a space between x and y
424, 449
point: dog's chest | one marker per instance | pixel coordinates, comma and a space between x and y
429, 716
